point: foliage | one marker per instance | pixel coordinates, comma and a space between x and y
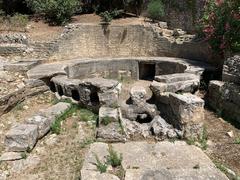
106, 120
102, 167
113, 158
109, 16
221, 25
155, 9
56, 125
237, 140
57, 11
86, 115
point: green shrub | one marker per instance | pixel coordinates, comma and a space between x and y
113, 158
102, 167
57, 11
19, 20
155, 9
106, 16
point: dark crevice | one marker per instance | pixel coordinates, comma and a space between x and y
144, 118
147, 71
75, 95
60, 90
52, 87
94, 98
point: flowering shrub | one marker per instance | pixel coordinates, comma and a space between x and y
221, 25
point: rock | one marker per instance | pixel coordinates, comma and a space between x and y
109, 98
21, 137
179, 86
138, 94
230, 134
108, 114
43, 124
11, 156
51, 140
101, 83
159, 126
113, 132
162, 160
172, 78
55, 110
29, 163
3, 175
231, 69
95, 175
178, 32
135, 129
163, 25
186, 108
20, 66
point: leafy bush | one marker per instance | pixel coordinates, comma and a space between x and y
155, 9
220, 25
109, 16
57, 11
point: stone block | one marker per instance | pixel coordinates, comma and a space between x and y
43, 124
231, 69
186, 108
11, 156
172, 78
21, 137
108, 114
55, 110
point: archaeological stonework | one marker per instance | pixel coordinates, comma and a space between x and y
116, 102
109, 41
224, 96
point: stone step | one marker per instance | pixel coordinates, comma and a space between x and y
183, 86
172, 78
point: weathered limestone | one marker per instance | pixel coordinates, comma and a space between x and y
20, 66
179, 82
186, 108
109, 114
224, 98
43, 124
30, 89
231, 69
11, 156
55, 110
21, 137
162, 160
138, 94
91, 93
109, 126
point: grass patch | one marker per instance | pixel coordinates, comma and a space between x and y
18, 107
86, 142
114, 159
101, 166
86, 115
237, 140
106, 120
56, 125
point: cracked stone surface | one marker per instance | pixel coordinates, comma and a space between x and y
162, 160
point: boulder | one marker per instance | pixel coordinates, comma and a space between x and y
21, 137
159, 126
43, 124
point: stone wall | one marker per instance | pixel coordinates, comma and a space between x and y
88, 40
93, 41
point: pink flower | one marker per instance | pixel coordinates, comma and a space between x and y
227, 27
219, 2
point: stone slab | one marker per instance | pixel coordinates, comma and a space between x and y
162, 160
171, 78
10, 156
21, 137
20, 66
